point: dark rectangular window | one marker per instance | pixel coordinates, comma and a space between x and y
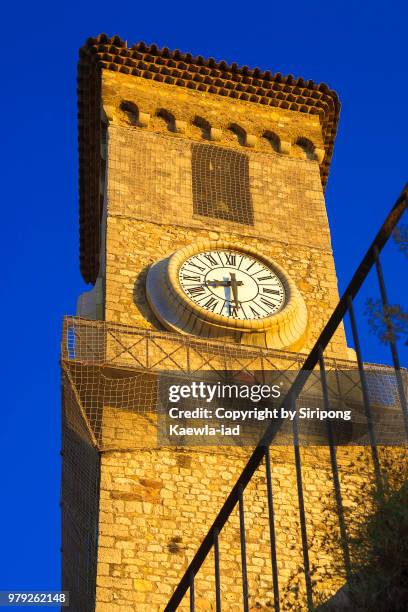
220, 179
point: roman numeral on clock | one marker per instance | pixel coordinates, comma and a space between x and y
254, 311
211, 304
262, 278
194, 291
231, 259
211, 259
191, 263
274, 291
233, 310
187, 277
268, 303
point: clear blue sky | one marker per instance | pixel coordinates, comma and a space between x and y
358, 48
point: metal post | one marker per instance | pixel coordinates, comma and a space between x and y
391, 340
243, 548
335, 469
302, 514
217, 572
192, 606
364, 389
272, 531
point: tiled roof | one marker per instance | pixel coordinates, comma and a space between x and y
183, 70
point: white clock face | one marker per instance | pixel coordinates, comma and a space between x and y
232, 284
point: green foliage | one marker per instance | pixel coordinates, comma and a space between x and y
379, 560
400, 235
391, 322
388, 323
381, 550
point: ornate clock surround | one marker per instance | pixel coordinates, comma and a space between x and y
283, 330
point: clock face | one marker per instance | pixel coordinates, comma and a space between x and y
232, 284
214, 290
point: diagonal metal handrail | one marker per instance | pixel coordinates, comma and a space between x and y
313, 359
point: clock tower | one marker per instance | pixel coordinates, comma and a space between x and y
203, 230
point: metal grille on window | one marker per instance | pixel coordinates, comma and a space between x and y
220, 182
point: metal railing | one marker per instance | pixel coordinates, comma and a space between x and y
261, 452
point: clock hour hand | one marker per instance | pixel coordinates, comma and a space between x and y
217, 283
221, 283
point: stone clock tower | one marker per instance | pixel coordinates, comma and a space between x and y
203, 229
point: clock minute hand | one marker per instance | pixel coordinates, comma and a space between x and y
234, 287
